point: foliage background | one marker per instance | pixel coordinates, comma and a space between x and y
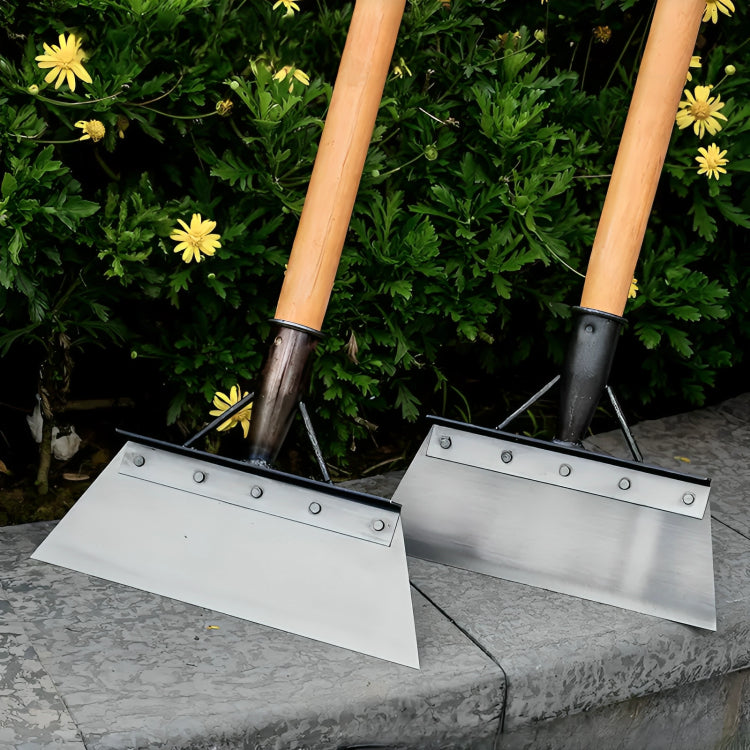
478, 205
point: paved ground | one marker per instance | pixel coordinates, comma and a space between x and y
85, 663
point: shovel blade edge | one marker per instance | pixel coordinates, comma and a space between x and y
224, 551
559, 538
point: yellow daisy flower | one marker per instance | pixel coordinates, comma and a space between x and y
290, 6
92, 129
633, 288
695, 62
711, 161
700, 111
196, 238
714, 6
64, 61
222, 402
295, 73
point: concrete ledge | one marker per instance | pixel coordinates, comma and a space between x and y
89, 664
136, 670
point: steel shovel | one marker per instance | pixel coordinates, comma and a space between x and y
238, 536
551, 514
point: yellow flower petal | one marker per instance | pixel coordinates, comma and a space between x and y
81, 72
64, 61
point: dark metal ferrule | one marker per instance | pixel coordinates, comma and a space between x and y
283, 381
298, 327
587, 366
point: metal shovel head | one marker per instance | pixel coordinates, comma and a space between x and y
600, 528
295, 554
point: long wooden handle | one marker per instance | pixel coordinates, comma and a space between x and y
338, 165
641, 154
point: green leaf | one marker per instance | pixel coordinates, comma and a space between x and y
8, 185
407, 402
648, 335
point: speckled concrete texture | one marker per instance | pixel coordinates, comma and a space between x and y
696, 716
32, 716
140, 671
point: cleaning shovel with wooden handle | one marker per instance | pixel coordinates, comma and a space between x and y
239, 536
552, 514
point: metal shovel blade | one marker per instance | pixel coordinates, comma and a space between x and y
596, 527
298, 555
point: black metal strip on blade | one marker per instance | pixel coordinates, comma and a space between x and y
566, 450
268, 473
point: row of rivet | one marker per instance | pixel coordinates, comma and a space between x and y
257, 492
565, 470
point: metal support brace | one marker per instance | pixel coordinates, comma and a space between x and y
230, 412
530, 402
245, 401
634, 449
314, 441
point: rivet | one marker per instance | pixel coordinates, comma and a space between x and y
589, 328
378, 525
688, 498
565, 470
445, 442
138, 460
624, 484
277, 341
199, 476
314, 508
256, 491
506, 457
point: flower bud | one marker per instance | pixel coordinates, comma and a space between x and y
234, 85
33, 89
730, 70
431, 152
539, 35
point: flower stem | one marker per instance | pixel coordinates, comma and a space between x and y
36, 138
76, 104
107, 170
176, 117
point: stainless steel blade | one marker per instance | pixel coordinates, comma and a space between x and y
293, 557
634, 555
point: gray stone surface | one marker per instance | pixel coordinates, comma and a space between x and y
140, 671
695, 716
32, 716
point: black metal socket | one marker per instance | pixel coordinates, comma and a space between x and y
283, 382
591, 352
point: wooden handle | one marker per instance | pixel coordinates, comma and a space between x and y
641, 154
338, 165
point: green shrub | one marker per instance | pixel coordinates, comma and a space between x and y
477, 208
